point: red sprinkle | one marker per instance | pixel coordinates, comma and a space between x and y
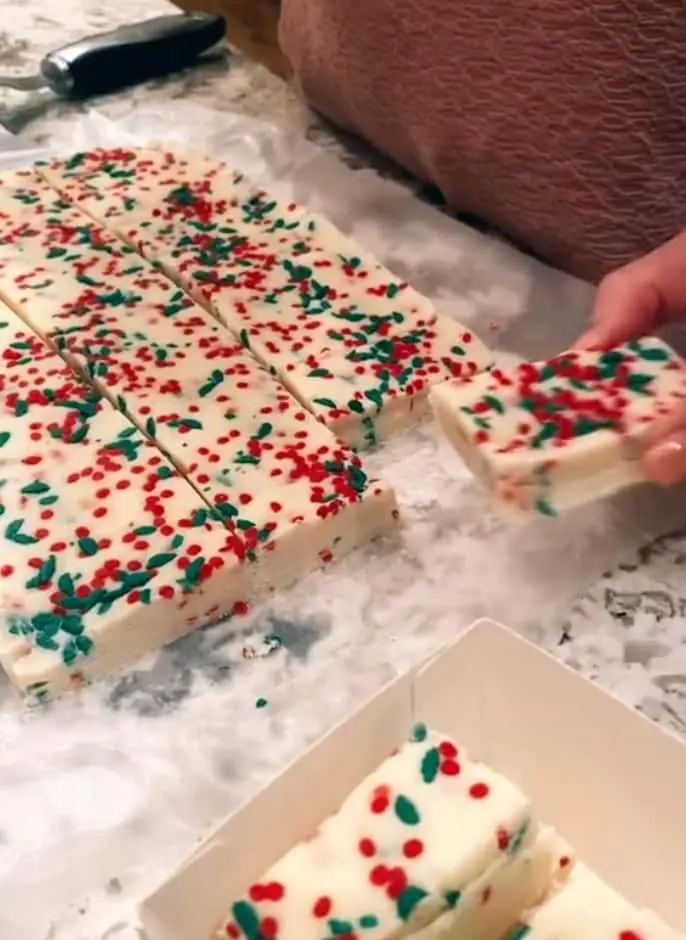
322, 907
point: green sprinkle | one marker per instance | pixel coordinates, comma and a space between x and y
72, 624
545, 434
639, 383
406, 811
13, 533
246, 918
452, 898
263, 431
649, 353
262, 703
341, 928
88, 546
545, 508
516, 843
65, 583
430, 764
419, 733
408, 900
160, 560
35, 489
519, 932
216, 378
45, 573
494, 403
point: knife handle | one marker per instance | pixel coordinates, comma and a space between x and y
129, 55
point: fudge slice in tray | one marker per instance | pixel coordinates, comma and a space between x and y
357, 346
585, 908
291, 494
107, 551
550, 435
431, 843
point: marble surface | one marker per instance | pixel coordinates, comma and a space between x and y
100, 794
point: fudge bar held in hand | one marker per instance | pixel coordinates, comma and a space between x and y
430, 844
356, 345
550, 435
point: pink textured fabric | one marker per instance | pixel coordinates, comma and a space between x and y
562, 122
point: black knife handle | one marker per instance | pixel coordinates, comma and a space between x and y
131, 54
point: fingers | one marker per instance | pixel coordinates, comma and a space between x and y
627, 305
664, 460
641, 296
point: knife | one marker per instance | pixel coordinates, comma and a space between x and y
126, 56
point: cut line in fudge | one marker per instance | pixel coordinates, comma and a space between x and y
108, 552
551, 435
292, 496
431, 844
357, 346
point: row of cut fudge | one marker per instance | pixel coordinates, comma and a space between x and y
357, 346
434, 845
256, 492
107, 551
256, 463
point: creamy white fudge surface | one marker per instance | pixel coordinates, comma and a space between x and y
512, 884
291, 494
108, 552
429, 834
585, 908
359, 347
550, 435
275, 492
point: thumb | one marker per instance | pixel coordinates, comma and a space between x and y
664, 460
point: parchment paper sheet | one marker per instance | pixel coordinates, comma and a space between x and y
100, 794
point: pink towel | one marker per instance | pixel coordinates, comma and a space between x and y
562, 122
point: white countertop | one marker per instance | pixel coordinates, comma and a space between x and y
100, 795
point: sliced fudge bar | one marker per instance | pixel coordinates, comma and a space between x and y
108, 552
291, 494
550, 435
356, 345
428, 839
585, 908
486, 910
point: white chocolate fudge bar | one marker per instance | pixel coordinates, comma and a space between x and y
358, 347
486, 910
292, 496
426, 835
108, 552
555, 434
585, 908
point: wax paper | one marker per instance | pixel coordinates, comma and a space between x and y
101, 793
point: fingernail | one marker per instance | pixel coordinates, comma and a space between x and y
589, 340
665, 463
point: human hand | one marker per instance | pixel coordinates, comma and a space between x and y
630, 302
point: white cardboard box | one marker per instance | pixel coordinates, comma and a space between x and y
611, 782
